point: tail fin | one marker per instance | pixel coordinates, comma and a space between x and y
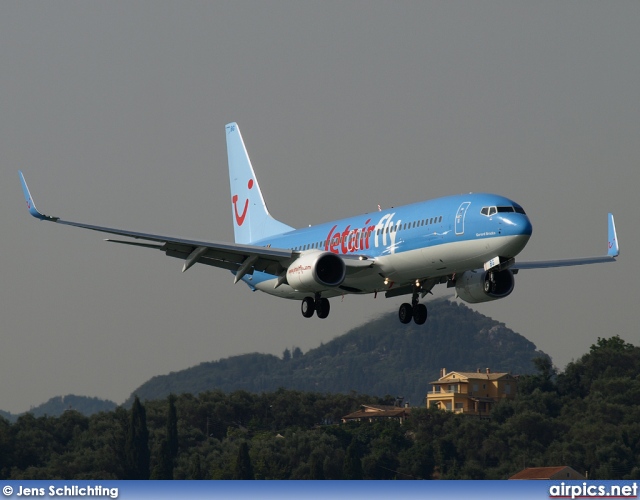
614, 248
251, 219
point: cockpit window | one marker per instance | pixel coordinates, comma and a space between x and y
488, 211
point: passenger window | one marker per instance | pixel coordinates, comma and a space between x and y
440, 220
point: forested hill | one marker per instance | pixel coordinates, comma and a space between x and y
381, 357
59, 404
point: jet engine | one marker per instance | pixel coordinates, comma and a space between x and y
316, 271
483, 286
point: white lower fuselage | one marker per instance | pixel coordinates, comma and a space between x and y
440, 260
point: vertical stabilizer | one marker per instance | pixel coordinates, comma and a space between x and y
251, 219
614, 248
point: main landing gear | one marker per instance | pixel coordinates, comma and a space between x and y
414, 310
319, 305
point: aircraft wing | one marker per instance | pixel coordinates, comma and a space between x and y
238, 258
241, 259
612, 253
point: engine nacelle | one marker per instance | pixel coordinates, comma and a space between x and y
483, 286
316, 271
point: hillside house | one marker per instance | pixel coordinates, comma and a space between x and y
556, 473
472, 393
371, 413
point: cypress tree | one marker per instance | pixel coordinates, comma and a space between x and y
164, 467
169, 445
137, 454
172, 428
243, 468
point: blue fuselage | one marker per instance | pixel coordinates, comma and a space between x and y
428, 239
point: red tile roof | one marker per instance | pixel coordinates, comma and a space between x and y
545, 473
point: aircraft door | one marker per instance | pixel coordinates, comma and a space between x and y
460, 215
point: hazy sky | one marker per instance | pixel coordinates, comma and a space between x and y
115, 111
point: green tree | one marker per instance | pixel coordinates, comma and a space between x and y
137, 445
614, 343
352, 468
195, 467
172, 428
164, 465
6, 448
607, 358
243, 468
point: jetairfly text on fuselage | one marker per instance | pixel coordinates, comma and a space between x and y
354, 240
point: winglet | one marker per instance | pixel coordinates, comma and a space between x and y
614, 249
30, 204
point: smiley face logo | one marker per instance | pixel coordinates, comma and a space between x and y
240, 217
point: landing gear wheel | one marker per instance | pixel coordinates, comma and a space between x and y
405, 313
308, 307
487, 286
420, 314
322, 307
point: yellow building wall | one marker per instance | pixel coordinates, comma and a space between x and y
456, 389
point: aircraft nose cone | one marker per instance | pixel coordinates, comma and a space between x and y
525, 226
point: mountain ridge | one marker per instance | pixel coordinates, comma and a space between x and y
379, 357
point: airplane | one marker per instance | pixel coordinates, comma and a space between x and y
468, 242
